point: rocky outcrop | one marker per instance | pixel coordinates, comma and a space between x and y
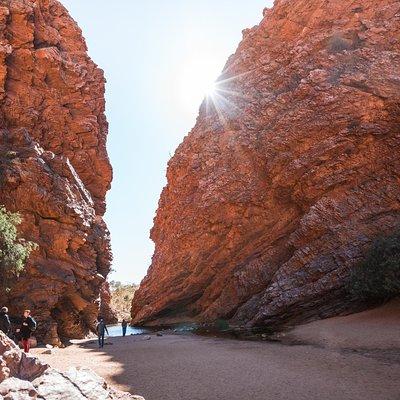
54, 168
290, 172
106, 311
24, 377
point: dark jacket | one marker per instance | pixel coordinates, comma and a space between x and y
5, 323
28, 325
102, 328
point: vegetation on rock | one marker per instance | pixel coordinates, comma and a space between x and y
377, 277
14, 251
121, 298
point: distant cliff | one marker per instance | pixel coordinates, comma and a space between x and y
291, 170
54, 168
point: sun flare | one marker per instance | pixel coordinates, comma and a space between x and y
197, 81
210, 89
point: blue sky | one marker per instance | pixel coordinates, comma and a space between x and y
159, 58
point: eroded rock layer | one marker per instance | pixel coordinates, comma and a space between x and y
290, 172
53, 161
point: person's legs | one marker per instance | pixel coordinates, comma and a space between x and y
99, 340
124, 331
102, 340
26, 344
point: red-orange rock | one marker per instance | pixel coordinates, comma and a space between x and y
54, 165
280, 187
109, 315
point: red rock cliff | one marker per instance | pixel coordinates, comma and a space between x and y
54, 165
288, 174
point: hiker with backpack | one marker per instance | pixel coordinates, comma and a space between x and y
101, 331
5, 324
28, 325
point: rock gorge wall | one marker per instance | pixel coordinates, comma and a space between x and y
106, 310
54, 167
290, 172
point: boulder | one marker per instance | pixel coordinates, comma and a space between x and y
17, 389
51, 337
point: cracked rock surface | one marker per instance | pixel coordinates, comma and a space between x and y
54, 167
290, 172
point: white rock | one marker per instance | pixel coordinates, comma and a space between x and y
53, 385
89, 383
16, 389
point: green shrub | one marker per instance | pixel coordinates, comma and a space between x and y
377, 277
14, 251
221, 325
337, 44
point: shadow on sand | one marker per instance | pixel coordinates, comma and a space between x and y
188, 367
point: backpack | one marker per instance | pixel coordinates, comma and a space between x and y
32, 324
4, 323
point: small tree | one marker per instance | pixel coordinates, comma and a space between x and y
378, 276
14, 251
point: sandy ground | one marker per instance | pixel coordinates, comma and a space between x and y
175, 367
374, 329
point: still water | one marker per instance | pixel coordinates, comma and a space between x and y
116, 330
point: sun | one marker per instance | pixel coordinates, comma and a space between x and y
197, 80
210, 89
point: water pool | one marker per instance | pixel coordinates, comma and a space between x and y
116, 330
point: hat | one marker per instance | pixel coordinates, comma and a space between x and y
4, 309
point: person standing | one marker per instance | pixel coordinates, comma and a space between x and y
101, 330
28, 325
124, 325
5, 323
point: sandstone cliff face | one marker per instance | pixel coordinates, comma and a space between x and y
106, 311
289, 173
54, 167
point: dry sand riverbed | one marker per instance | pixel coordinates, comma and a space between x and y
347, 358
174, 367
